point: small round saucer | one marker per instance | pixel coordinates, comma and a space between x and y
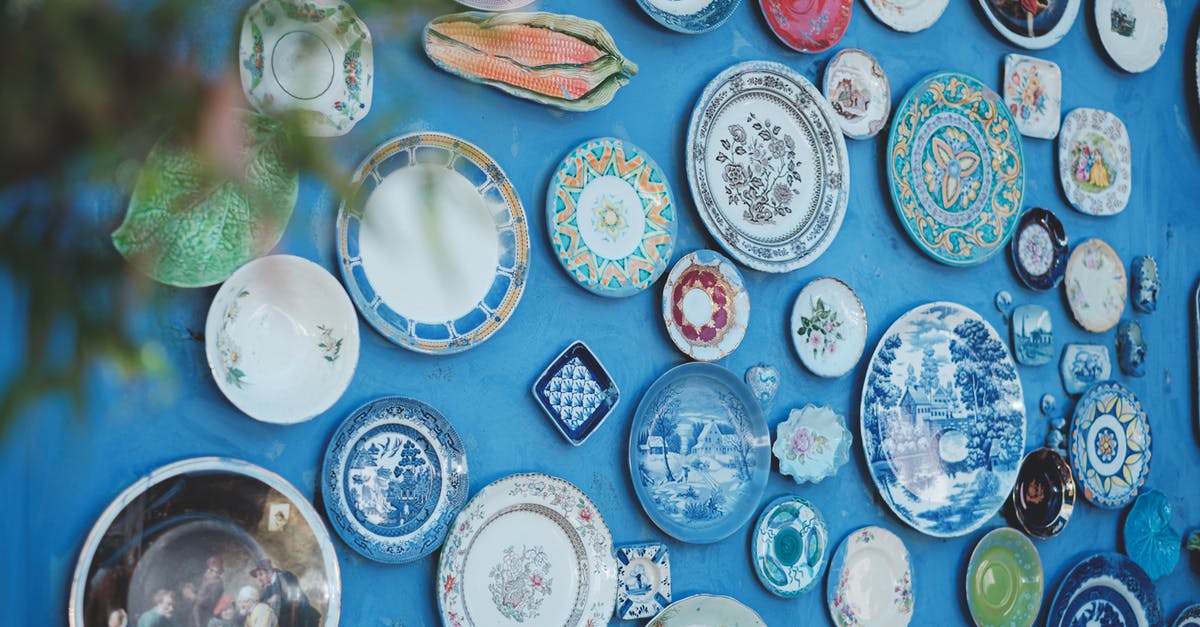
1039, 250
705, 306
870, 581
1096, 285
808, 27
828, 327
1004, 580
1044, 496
789, 546
859, 92
908, 16
1134, 32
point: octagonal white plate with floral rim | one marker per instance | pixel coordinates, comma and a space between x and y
1094, 162
1110, 445
858, 91
707, 610
1096, 285
705, 306
828, 327
767, 166
529, 550
1042, 27
1134, 32
870, 581
908, 16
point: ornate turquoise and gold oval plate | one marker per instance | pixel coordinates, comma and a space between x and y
956, 168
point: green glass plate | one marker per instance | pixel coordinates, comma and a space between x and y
1004, 580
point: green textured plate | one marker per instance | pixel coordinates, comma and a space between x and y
1004, 580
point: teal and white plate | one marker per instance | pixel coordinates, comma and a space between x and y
789, 546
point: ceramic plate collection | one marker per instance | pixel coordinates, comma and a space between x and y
1044, 496
313, 59
870, 581
699, 453
956, 168
808, 26
1033, 92
611, 217
433, 244
690, 17
1188, 617
706, 610
1105, 589
1094, 162
1110, 445
1096, 285
767, 166
1004, 580
828, 327
858, 91
943, 456
1134, 32
705, 306
789, 545
1039, 249
394, 476
528, 549
207, 524
281, 339
908, 16
1044, 26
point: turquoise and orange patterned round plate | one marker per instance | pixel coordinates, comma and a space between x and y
1110, 445
956, 167
611, 217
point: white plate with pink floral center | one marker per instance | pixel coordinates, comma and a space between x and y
829, 327
705, 306
282, 339
1096, 285
1094, 162
870, 581
529, 550
858, 91
908, 16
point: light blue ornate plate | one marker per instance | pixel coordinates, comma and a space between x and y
699, 453
611, 217
394, 476
1110, 445
956, 168
789, 546
433, 243
690, 17
1105, 590
943, 419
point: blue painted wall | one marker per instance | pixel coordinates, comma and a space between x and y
61, 470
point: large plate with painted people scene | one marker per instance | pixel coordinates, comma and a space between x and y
1033, 25
1106, 589
943, 419
529, 550
699, 453
394, 476
207, 539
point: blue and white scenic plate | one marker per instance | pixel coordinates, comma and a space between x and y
611, 217
1189, 617
789, 546
1034, 30
943, 419
1110, 445
956, 168
699, 453
1105, 590
690, 17
394, 477
433, 243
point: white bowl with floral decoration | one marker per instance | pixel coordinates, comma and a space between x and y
812, 444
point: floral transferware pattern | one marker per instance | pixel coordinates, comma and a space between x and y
1040, 249
766, 181
1096, 285
520, 581
331, 347
812, 444
1110, 445
1033, 92
1094, 162
822, 331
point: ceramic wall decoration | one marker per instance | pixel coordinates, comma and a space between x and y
692, 17
1033, 93
1110, 445
943, 419
281, 339
1188, 617
858, 91
1044, 496
1004, 580
433, 243
1040, 250
1149, 539
611, 217
763, 381
204, 524
1032, 335
310, 59
812, 444
1096, 285
1003, 301
1134, 32
699, 453
706, 610
529, 550
1049, 405
907, 16
1144, 284
870, 581
1033, 25
1131, 349
705, 306
767, 166
643, 580
956, 168
828, 327
1083, 365
558, 60
789, 545
1106, 589
1094, 162
394, 476
494, 5
576, 392
807, 26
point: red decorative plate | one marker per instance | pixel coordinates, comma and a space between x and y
808, 25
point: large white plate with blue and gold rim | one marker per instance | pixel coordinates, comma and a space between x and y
1110, 445
1043, 27
530, 550
943, 419
908, 16
1106, 589
870, 581
433, 243
206, 520
767, 166
707, 610
690, 17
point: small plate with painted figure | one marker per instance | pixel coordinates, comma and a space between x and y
1134, 32
1188, 617
528, 549
870, 581
706, 307
1032, 335
643, 580
699, 453
394, 476
1044, 496
858, 91
1004, 580
1032, 25
707, 610
1094, 162
1033, 92
808, 25
690, 17
1040, 249
1110, 445
576, 392
908, 16
1106, 589
611, 217
312, 59
828, 327
789, 546
1083, 365
1096, 285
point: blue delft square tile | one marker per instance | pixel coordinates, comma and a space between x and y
643, 580
576, 392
